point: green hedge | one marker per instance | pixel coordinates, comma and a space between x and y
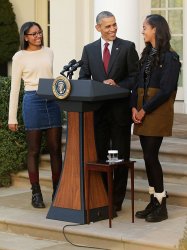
13, 149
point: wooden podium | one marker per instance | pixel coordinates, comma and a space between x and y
70, 202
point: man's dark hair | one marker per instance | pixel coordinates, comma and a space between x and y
102, 15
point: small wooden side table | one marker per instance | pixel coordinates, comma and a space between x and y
108, 168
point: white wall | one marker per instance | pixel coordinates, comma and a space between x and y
24, 10
70, 30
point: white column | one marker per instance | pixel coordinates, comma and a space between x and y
71, 26
185, 56
62, 28
127, 18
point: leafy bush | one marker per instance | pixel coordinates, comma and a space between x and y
9, 35
13, 149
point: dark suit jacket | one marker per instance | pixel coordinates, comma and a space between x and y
122, 67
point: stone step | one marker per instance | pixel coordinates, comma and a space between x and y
173, 172
172, 150
12, 241
18, 217
21, 179
45, 160
179, 126
177, 192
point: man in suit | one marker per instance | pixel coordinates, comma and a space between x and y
112, 122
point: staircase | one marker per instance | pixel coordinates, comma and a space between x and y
29, 229
173, 157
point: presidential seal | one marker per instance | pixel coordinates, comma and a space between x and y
61, 87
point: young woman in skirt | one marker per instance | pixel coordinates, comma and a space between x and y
32, 62
153, 108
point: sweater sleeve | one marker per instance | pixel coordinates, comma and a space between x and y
15, 89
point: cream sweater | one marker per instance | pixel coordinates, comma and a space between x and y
29, 66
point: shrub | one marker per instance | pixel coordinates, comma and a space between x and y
9, 35
13, 149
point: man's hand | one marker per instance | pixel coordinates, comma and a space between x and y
110, 82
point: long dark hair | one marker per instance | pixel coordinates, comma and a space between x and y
24, 30
162, 37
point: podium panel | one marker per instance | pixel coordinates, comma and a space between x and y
70, 202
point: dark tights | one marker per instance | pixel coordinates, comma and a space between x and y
150, 146
53, 138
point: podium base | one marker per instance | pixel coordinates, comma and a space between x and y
77, 216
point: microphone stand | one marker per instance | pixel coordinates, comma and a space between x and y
69, 75
63, 74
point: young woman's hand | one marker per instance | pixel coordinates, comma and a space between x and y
13, 127
134, 115
137, 116
140, 115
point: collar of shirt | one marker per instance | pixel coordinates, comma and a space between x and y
103, 45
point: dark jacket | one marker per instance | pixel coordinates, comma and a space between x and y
158, 98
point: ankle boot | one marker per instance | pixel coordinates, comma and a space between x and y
159, 213
37, 199
143, 213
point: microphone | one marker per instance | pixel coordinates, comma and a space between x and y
67, 67
75, 66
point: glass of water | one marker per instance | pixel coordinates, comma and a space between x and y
112, 155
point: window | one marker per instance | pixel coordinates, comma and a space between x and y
48, 22
172, 10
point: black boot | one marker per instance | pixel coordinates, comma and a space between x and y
159, 213
37, 199
143, 213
